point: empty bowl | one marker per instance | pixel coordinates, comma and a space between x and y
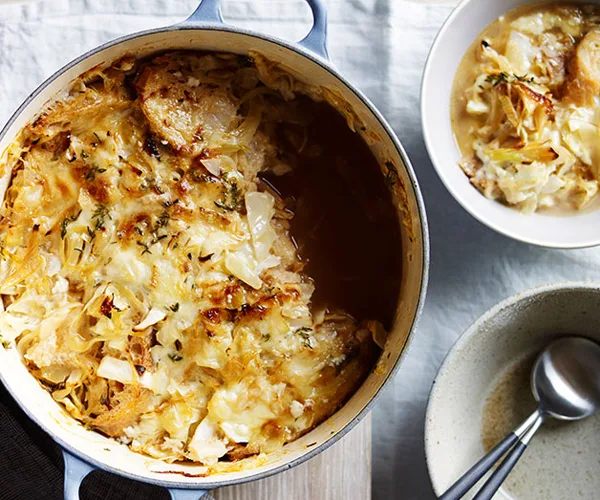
482, 392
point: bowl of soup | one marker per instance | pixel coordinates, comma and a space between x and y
514, 133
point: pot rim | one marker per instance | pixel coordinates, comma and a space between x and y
326, 65
473, 329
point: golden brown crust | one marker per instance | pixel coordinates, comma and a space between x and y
127, 406
167, 298
583, 71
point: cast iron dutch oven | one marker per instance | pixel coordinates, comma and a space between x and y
307, 60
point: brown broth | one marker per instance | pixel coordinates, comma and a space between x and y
509, 404
345, 224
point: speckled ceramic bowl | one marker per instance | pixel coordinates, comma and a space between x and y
482, 392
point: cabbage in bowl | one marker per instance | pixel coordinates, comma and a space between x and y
526, 108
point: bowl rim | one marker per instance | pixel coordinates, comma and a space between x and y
429, 140
206, 483
472, 330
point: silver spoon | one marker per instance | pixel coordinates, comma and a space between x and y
565, 382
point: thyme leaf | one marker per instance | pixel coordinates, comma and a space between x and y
304, 333
93, 172
145, 246
496, 79
65, 222
100, 215
98, 140
163, 220
232, 197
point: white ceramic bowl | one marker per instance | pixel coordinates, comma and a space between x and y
463, 26
494, 356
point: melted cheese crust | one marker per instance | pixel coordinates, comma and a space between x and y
148, 277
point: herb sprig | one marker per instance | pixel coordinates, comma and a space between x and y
65, 222
502, 77
232, 197
304, 333
100, 215
161, 223
163, 220
93, 172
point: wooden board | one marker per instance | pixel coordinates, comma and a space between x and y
342, 472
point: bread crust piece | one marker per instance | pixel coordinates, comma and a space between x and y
183, 102
583, 71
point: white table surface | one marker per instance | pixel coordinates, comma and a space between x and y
381, 46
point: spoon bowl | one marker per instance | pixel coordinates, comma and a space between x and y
565, 380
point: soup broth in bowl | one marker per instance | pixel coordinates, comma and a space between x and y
526, 108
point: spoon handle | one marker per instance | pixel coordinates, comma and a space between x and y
488, 490
475, 473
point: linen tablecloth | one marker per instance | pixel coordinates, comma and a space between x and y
380, 46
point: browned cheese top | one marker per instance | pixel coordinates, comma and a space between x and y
196, 252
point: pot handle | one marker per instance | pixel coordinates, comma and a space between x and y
75, 472
187, 494
316, 40
209, 11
